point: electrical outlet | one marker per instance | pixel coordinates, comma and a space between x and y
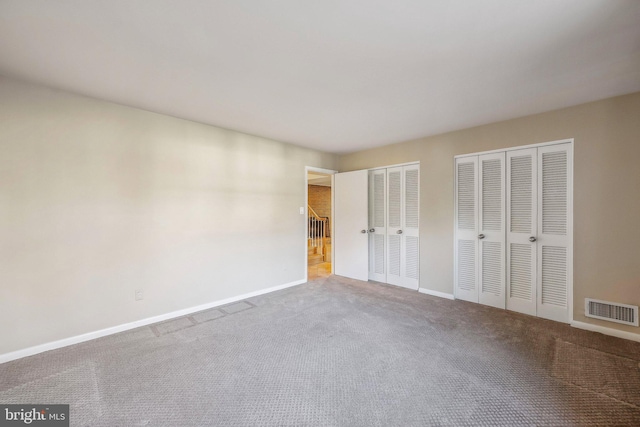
139, 294
301, 210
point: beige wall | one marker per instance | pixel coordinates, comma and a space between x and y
97, 200
606, 193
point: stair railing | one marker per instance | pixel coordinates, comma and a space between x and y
317, 231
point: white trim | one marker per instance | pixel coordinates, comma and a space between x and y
332, 222
396, 165
436, 293
455, 226
570, 225
320, 170
607, 331
30, 351
499, 150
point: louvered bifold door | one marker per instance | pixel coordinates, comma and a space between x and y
410, 242
522, 212
554, 272
377, 225
491, 223
466, 217
394, 226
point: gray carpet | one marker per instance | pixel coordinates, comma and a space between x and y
338, 352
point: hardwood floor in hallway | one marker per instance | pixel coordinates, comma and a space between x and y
319, 271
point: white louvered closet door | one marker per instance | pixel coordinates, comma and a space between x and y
514, 230
394, 226
491, 223
410, 241
394, 248
555, 237
521, 230
377, 225
466, 216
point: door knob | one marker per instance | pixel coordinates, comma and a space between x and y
363, 231
399, 232
372, 230
532, 239
481, 236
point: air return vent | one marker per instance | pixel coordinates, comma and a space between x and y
611, 311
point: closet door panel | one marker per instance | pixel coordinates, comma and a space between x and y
491, 247
394, 226
377, 225
410, 251
521, 189
554, 232
466, 224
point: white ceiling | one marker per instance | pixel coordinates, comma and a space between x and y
335, 75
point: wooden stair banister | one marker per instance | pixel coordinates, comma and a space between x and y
317, 231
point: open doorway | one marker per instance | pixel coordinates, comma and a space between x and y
319, 224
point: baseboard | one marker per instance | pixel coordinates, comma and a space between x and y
607, 331
30, 351
435, 293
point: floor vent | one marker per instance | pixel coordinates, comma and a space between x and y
611, 311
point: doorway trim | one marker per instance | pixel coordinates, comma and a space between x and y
331, 172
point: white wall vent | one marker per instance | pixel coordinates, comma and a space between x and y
611, 311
